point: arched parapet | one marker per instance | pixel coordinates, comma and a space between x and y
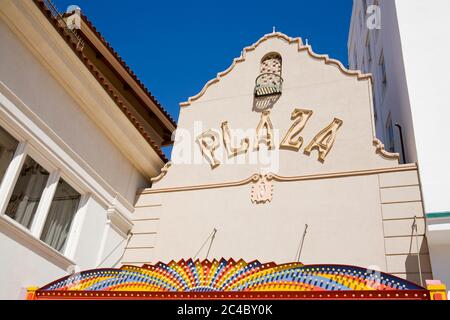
300, 47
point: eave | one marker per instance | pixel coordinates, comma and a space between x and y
78, 78
94, 36
102, 80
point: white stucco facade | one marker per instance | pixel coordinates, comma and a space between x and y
63, 119
415, 95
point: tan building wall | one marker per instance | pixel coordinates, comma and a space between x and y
62, 117
359, 203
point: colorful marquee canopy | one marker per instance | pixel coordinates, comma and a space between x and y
229, 279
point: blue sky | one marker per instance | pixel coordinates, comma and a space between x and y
175, 47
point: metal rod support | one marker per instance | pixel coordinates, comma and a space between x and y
212, 236
418, 249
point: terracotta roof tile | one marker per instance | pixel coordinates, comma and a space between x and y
98, 75
127, 68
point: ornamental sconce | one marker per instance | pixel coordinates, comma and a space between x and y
269, 83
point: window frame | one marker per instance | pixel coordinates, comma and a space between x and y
383, 74
23, 150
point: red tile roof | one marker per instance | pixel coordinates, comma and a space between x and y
127, 68
113, 93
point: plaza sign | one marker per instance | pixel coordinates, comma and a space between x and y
209, 141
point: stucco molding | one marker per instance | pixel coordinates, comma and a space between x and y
275, 177
119, 221
163, 173
300, 47
380, 150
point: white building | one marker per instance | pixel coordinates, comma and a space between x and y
403, 43
79, 135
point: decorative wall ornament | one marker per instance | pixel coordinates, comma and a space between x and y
382, 151
163, 173
231, 279
324, 140
267, 139
300, 48
262, 190
292, 140
233, 152
209, 142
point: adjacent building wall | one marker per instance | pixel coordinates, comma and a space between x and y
424, 30
392, 103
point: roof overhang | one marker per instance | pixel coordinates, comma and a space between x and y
42, 38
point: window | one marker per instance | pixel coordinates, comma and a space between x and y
269, 82
361, 19
8, 146
33, 196
59, 219
27, 194
382, 66
375, 111
390, 135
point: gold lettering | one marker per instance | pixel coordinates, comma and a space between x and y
266, 124
209, 142
301, 117
233, 152
324, 140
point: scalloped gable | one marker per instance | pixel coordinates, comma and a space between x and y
301, 47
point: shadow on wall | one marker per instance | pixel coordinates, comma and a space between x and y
264, 103
412, 262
